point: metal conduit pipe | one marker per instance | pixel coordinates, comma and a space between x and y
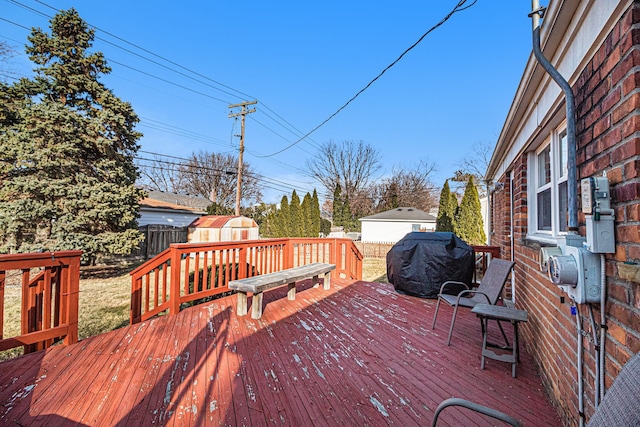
572, 180
579, 366
603, 323
596, 345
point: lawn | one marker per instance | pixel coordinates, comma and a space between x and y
105, 296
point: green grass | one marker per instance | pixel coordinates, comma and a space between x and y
105, 298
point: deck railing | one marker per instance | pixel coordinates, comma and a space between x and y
189, 272
50, 285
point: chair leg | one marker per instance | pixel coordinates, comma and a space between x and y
435, 315
453, 320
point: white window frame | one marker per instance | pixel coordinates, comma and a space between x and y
556, 142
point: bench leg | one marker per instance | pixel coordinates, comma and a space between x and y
242, 304
291, 293
327, 280
256, 306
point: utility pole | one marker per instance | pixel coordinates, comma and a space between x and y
243, 113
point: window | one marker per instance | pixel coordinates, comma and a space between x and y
548, 167
415, 227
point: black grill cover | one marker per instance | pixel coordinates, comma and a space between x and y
422, 261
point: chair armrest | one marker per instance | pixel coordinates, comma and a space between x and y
493, 413
484, 295
451, 282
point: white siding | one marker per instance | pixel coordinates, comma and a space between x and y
166, 218
390, 231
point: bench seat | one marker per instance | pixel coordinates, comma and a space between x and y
258, 284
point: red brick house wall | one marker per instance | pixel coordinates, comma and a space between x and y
608, 137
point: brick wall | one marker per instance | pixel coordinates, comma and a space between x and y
608, 136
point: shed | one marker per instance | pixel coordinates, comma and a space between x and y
222, 228
394, 224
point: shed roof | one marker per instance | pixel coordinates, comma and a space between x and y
222, 221
401, 214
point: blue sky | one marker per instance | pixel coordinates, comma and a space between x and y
302, 61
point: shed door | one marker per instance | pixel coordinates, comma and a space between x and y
244, 235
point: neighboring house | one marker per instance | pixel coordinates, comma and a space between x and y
220, 228
394, 224
197, 202
157, 212
595, 45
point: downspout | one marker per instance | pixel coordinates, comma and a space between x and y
537, 14
572, 181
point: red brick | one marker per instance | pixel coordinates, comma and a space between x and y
611, 138
631, 82
632, 169
601, 91
611, 99
633, 212
626, 150
630, 126
634, 253
627, 234
624, 66
618, 333
633, 342
612, 60
627, 21
618, 292
627, 107
601, 126
615, 175
627, 192
619, 312
596, 62
584, 107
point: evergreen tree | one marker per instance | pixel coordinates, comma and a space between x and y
446, 209
283, 228
67, 173
325, 226
469, 226
306, 228
295, 216
315, 215
349, 221
218, 209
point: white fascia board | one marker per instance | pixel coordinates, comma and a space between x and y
573, 31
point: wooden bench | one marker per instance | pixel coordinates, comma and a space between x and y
256, 285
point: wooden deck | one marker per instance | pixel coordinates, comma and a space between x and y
358, 354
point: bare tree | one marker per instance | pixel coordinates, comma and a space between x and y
160, 174
475, 165
214, 176
406, 187
6, 53
351, 164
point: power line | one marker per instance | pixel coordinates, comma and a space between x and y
279, 120
456, 9
255, 175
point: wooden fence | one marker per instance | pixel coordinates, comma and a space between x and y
374, 249
158, 237
186, 273
50, 285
